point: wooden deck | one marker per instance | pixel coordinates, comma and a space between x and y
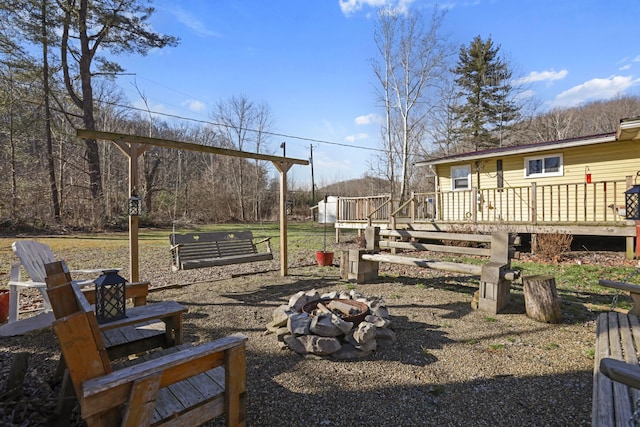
593, 209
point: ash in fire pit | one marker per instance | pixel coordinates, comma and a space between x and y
337, 325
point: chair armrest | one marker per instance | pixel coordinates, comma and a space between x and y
112, 390
620, 371
28, 284
268, 241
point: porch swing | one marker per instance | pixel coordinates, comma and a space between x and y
212, 249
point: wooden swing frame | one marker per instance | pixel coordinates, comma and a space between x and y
133, 146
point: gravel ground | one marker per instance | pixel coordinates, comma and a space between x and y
451, 366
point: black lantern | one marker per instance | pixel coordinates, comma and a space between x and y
632, 200
134, 205
110, 296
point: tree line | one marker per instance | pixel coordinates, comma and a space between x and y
57, 75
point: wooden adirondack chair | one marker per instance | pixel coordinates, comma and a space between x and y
32, 258
187, 386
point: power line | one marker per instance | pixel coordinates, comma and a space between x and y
282, 135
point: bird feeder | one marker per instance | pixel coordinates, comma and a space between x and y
632, 200
110, 297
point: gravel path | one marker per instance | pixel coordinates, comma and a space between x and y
451, 366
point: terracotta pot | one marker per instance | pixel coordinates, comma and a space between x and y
324, 258
4, 305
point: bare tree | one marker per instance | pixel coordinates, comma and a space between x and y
242, 125
414, 60
88, 27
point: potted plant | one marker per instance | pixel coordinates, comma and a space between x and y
323, 257
4, 304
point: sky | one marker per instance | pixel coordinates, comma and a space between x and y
309, 61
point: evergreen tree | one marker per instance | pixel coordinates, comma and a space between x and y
487, 108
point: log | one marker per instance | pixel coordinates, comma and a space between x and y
541, 298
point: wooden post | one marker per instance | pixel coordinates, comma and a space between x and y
134, 268
283, 167
534, 203
541, 298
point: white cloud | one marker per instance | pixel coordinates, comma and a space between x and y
542, 76
595, 89
192, 22
624, 67
356, 137
194, 105
349, 7
367, 120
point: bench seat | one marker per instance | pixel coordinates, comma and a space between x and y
216, 262
200, 250
618, 338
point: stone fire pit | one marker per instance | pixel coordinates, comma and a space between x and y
337, 325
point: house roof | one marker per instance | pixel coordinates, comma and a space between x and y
629, 129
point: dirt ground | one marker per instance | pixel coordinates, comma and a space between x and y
452, 365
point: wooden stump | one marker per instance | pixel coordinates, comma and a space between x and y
344, 265
541, 298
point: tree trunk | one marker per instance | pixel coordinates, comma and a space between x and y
541, 298
48, 116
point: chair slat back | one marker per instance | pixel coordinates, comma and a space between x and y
61, 295
33, 256
78, 332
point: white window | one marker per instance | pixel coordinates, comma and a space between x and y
461, 177
541, 166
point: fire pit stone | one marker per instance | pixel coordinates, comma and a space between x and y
341, 325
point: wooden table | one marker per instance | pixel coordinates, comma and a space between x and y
145, 327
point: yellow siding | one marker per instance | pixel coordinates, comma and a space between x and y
559, 198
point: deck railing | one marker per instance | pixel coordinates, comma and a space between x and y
595, 202
365, 209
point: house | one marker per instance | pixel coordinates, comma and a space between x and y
575, 186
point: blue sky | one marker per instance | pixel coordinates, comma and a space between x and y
309, 61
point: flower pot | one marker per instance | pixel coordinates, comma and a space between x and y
4, 305
324, 258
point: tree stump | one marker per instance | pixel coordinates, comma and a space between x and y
344, 265
541, 298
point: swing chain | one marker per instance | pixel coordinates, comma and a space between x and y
614, 301
634, 421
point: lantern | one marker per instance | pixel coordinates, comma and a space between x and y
110, 296
632, 200
135, 205
587, 174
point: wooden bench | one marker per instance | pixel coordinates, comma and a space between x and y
181, 386
199, 250
634, 292
495, 273
616, 375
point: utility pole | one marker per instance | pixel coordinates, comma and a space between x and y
313, 184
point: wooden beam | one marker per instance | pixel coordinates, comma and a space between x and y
283, 167
167, 143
